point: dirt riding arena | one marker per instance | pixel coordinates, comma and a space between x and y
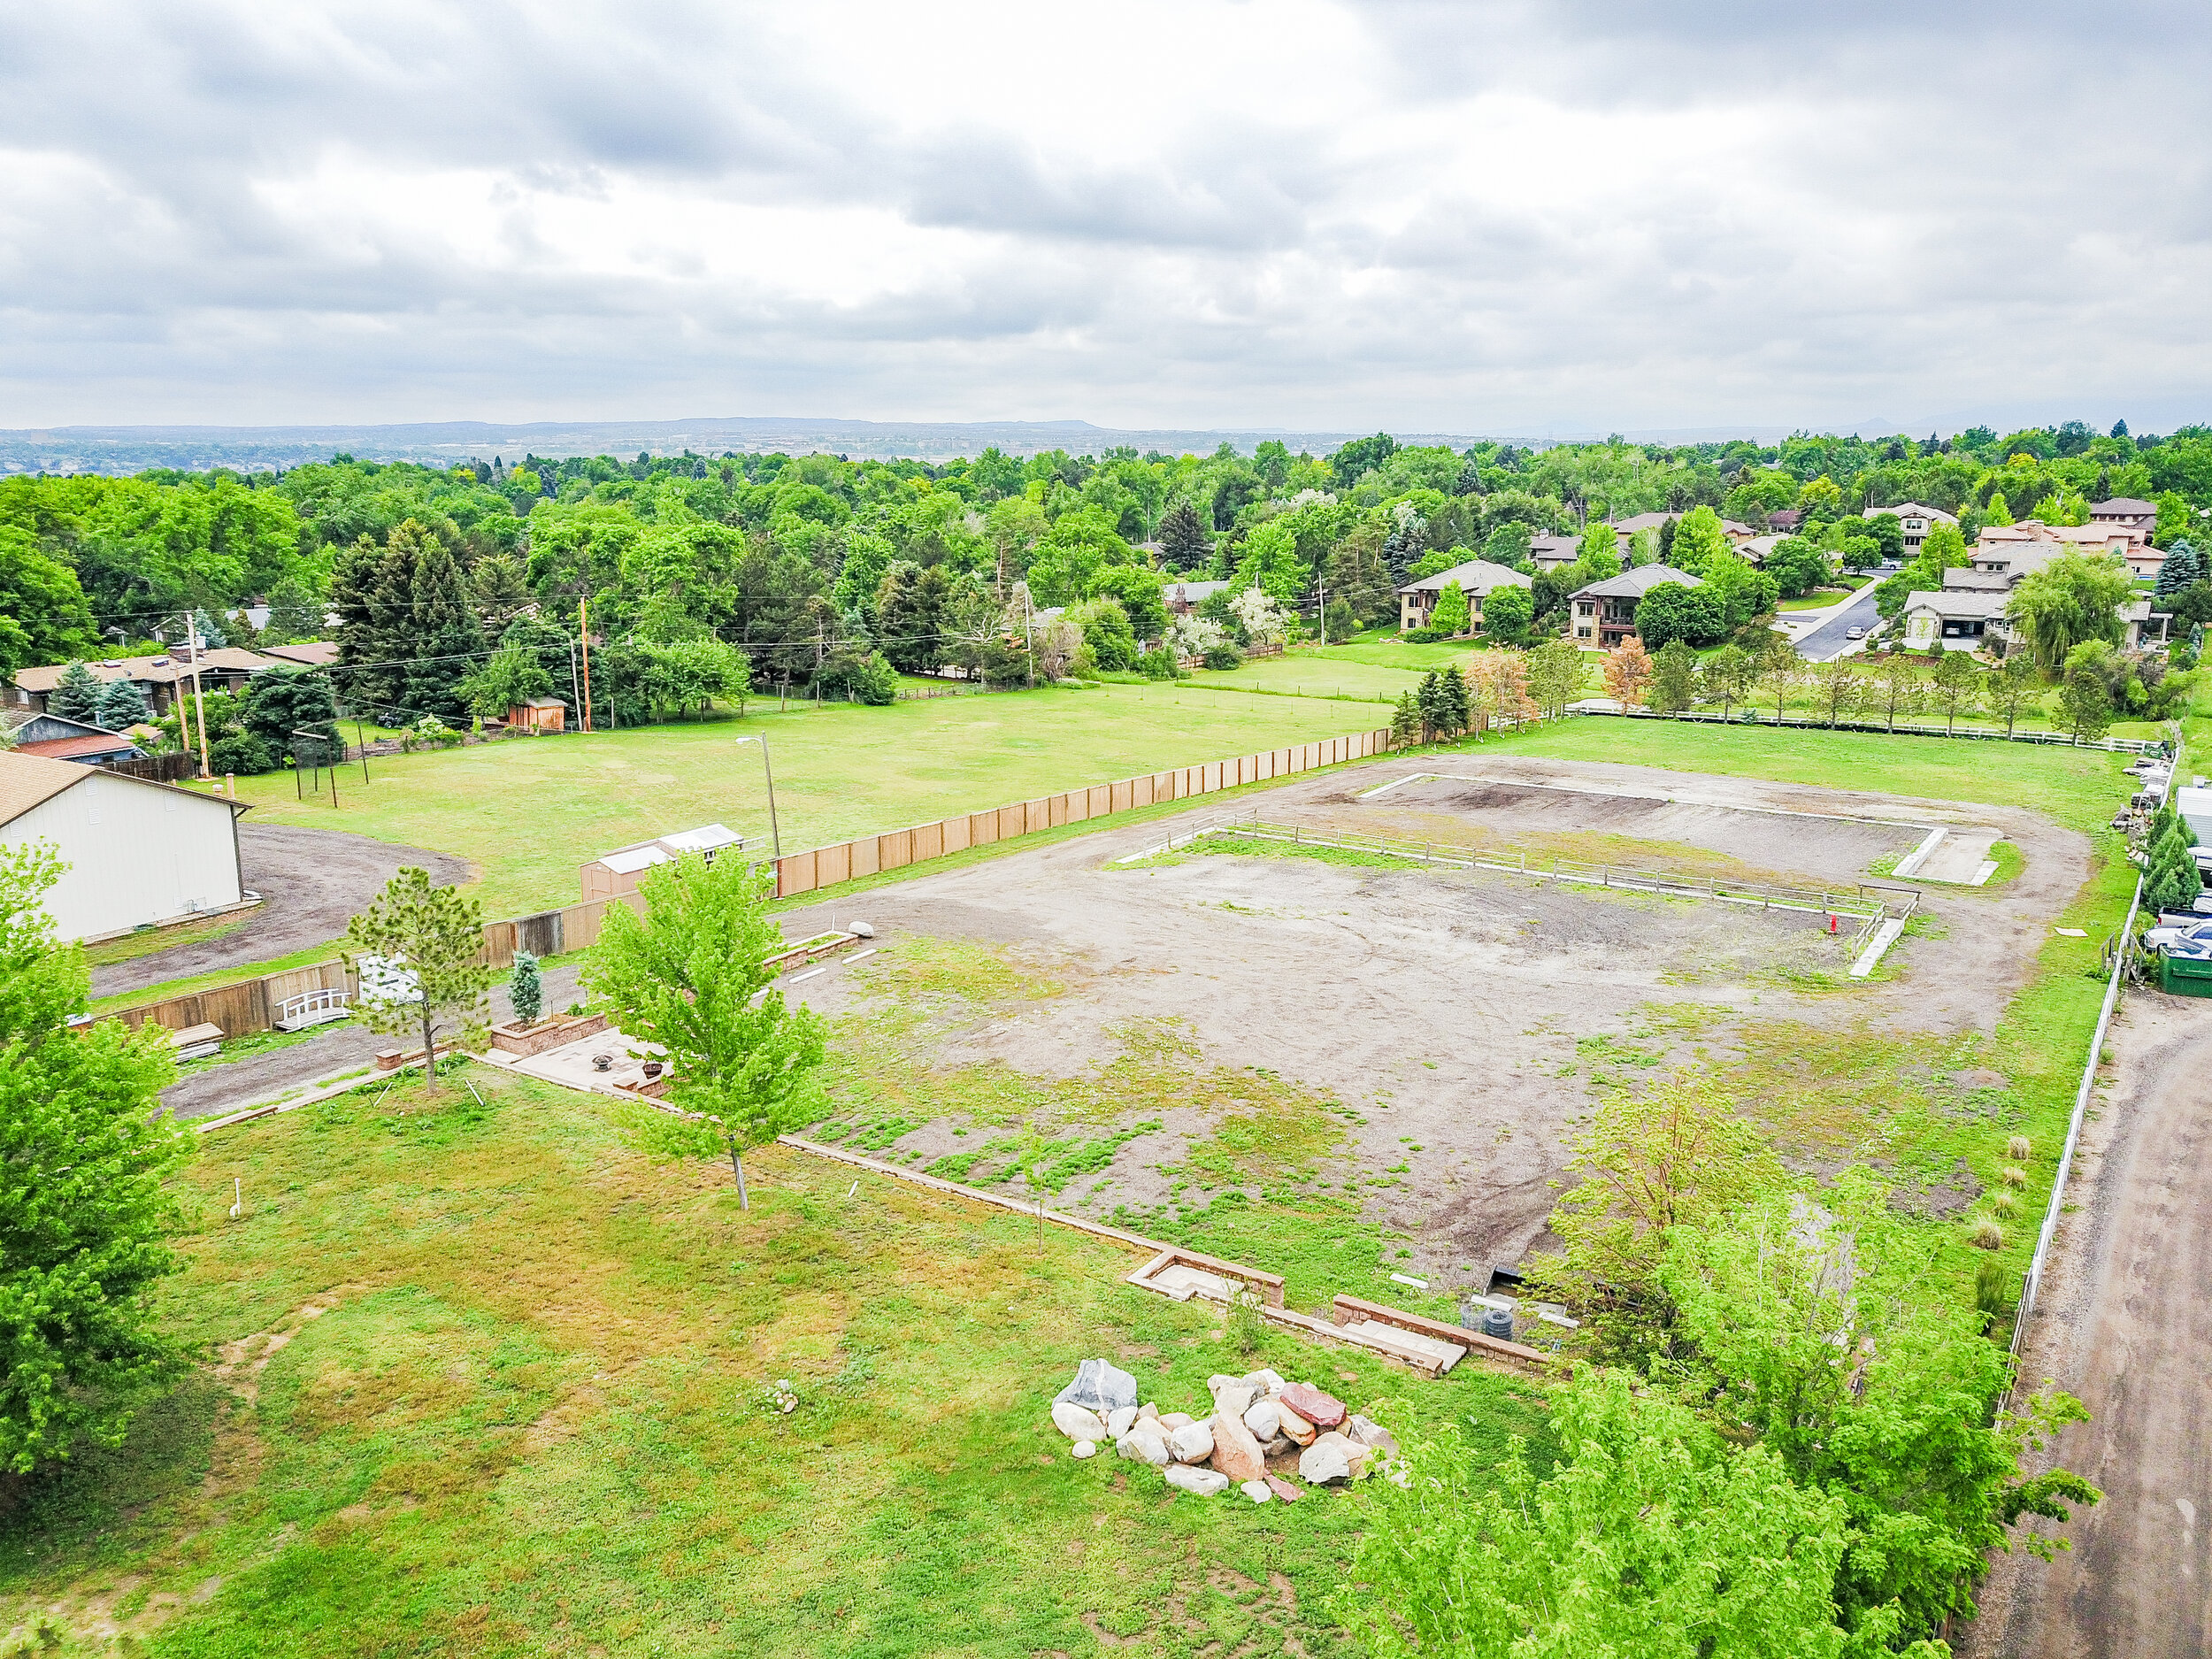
1464, 1012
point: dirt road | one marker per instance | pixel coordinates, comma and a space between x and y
2126, 1327
311, 882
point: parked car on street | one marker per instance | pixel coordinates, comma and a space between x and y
1855, 633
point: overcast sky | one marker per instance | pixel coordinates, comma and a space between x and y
1611, 214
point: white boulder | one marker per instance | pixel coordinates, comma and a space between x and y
1120, 1420
1203, 1483
1258, 1491
1084, 1449
1263, 1419
1077, 1422
1142, 1445
1192, 1443
1324, 1463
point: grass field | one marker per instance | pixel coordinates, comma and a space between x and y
526, 813
489, 1381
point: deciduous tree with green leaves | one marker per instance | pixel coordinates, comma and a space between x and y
1728, 674
1650, 1536
692, 975
85, 1208
1648, 1163
1955, 684
1673, 678
2073, 598
429, 938
1450, 615
2012, 689
1554, 676
1822, 1331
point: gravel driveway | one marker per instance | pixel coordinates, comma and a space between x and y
311, 882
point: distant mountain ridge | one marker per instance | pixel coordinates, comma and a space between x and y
119, 449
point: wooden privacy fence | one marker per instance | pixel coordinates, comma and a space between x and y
826, 867
251, 1005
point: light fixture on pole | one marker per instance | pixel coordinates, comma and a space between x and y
775, 835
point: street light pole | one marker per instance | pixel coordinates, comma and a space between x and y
775, 834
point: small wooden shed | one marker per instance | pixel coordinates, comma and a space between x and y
613, 874
539, 714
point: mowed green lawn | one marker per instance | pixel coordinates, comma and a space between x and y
489, 1381
528, 812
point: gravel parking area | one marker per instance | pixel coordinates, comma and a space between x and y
311, 882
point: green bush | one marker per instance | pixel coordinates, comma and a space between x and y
1420, 637
1224, 657
240, 752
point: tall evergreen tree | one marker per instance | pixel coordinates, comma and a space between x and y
2183, 568
447, 639
1183, 537
77, 696
123, 705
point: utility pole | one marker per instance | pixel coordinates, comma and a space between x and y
583, 637
575, 693
199, 698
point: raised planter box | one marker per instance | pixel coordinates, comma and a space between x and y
547, 1034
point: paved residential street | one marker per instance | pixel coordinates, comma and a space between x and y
2126, 1327
1827, 639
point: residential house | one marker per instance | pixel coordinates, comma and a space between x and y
1729, 527
1477, 579
1965, 619
1183, 598
135, 853
1554, 552
222, 668
1915, 519
306, 653
2124, 512
1785, 520
57, 738
1604, 613
2119, 540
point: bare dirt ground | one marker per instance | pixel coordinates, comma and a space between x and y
2125, 1327
311, 882
1463, 1013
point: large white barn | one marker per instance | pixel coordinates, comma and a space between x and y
139, 853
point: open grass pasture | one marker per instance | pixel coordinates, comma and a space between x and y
528, 812
489, 1381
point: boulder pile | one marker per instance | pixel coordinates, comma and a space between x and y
1260, 1429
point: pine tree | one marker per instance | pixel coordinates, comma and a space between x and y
77, 695
123, 705
525, 990
1405, 722
446, 637
1453, 700
2183, 568
1183, 537
212, 634
1430, 700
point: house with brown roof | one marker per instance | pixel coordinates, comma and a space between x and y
221, 668
2125, 512
1604, 613
137, 854
1554, 552
1478, 579
1628, 528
